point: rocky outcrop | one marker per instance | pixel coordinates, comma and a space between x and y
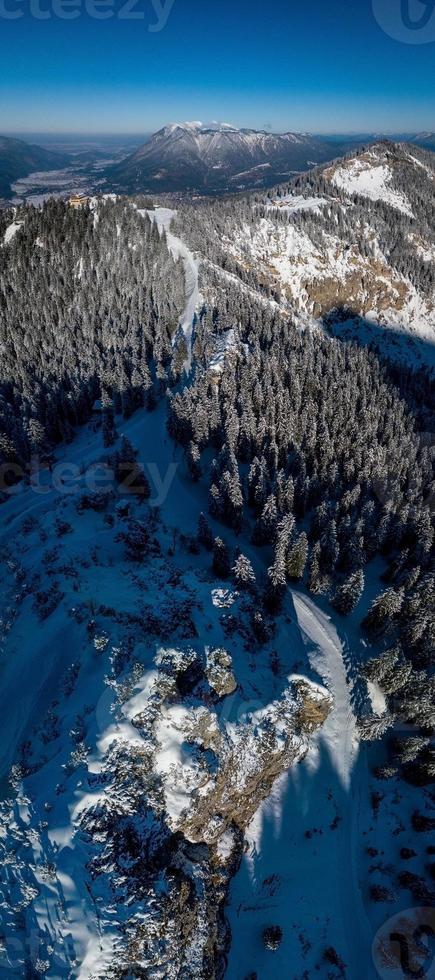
203, 778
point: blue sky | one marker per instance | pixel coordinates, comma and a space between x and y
318, 65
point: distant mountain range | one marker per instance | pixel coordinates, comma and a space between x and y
426, 140
193, 157
18, 159
216, 157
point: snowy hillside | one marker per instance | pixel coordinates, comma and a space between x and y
328, 247
368, 178
133, 724
216, 592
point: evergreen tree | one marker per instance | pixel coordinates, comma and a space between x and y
315, 580
297, 558
243, 573
349, 593
194, 461
374, 727
330, 549
221, 559
276, 584
383, 611
205, 533
129, 472
137, 541
265, 528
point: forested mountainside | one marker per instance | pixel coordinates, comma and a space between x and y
217, 585
350, 244
88, 300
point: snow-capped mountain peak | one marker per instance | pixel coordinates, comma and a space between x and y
213, 156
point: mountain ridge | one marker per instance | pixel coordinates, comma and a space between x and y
210, 158
19, 159
349, 245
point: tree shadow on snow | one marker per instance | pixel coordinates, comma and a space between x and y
407, 360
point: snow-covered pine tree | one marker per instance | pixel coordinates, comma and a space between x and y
276, 583
265, 528
297, 558
243, 572
349, 593
193, 456
383, 611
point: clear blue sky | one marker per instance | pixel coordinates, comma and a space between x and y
319, 65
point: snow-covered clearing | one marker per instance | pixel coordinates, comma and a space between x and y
11, 231
360, 176
295, 202
163, 218
326, 658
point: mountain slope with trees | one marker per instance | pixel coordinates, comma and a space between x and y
18, 159
170, 684
350, 245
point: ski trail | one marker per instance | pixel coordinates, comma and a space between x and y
339, 737
163, 218
339, 730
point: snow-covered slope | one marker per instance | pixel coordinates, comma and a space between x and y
369, 178
11, 231
303, 836
137, 755
352, 244
174, 783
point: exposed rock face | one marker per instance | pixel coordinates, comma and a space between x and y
133, 836
350, 244
203, 779
219, 673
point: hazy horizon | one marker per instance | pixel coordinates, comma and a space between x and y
119, 134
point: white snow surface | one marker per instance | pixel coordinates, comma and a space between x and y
295, 202
362, 176
338, 733
11, 231
377, 698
